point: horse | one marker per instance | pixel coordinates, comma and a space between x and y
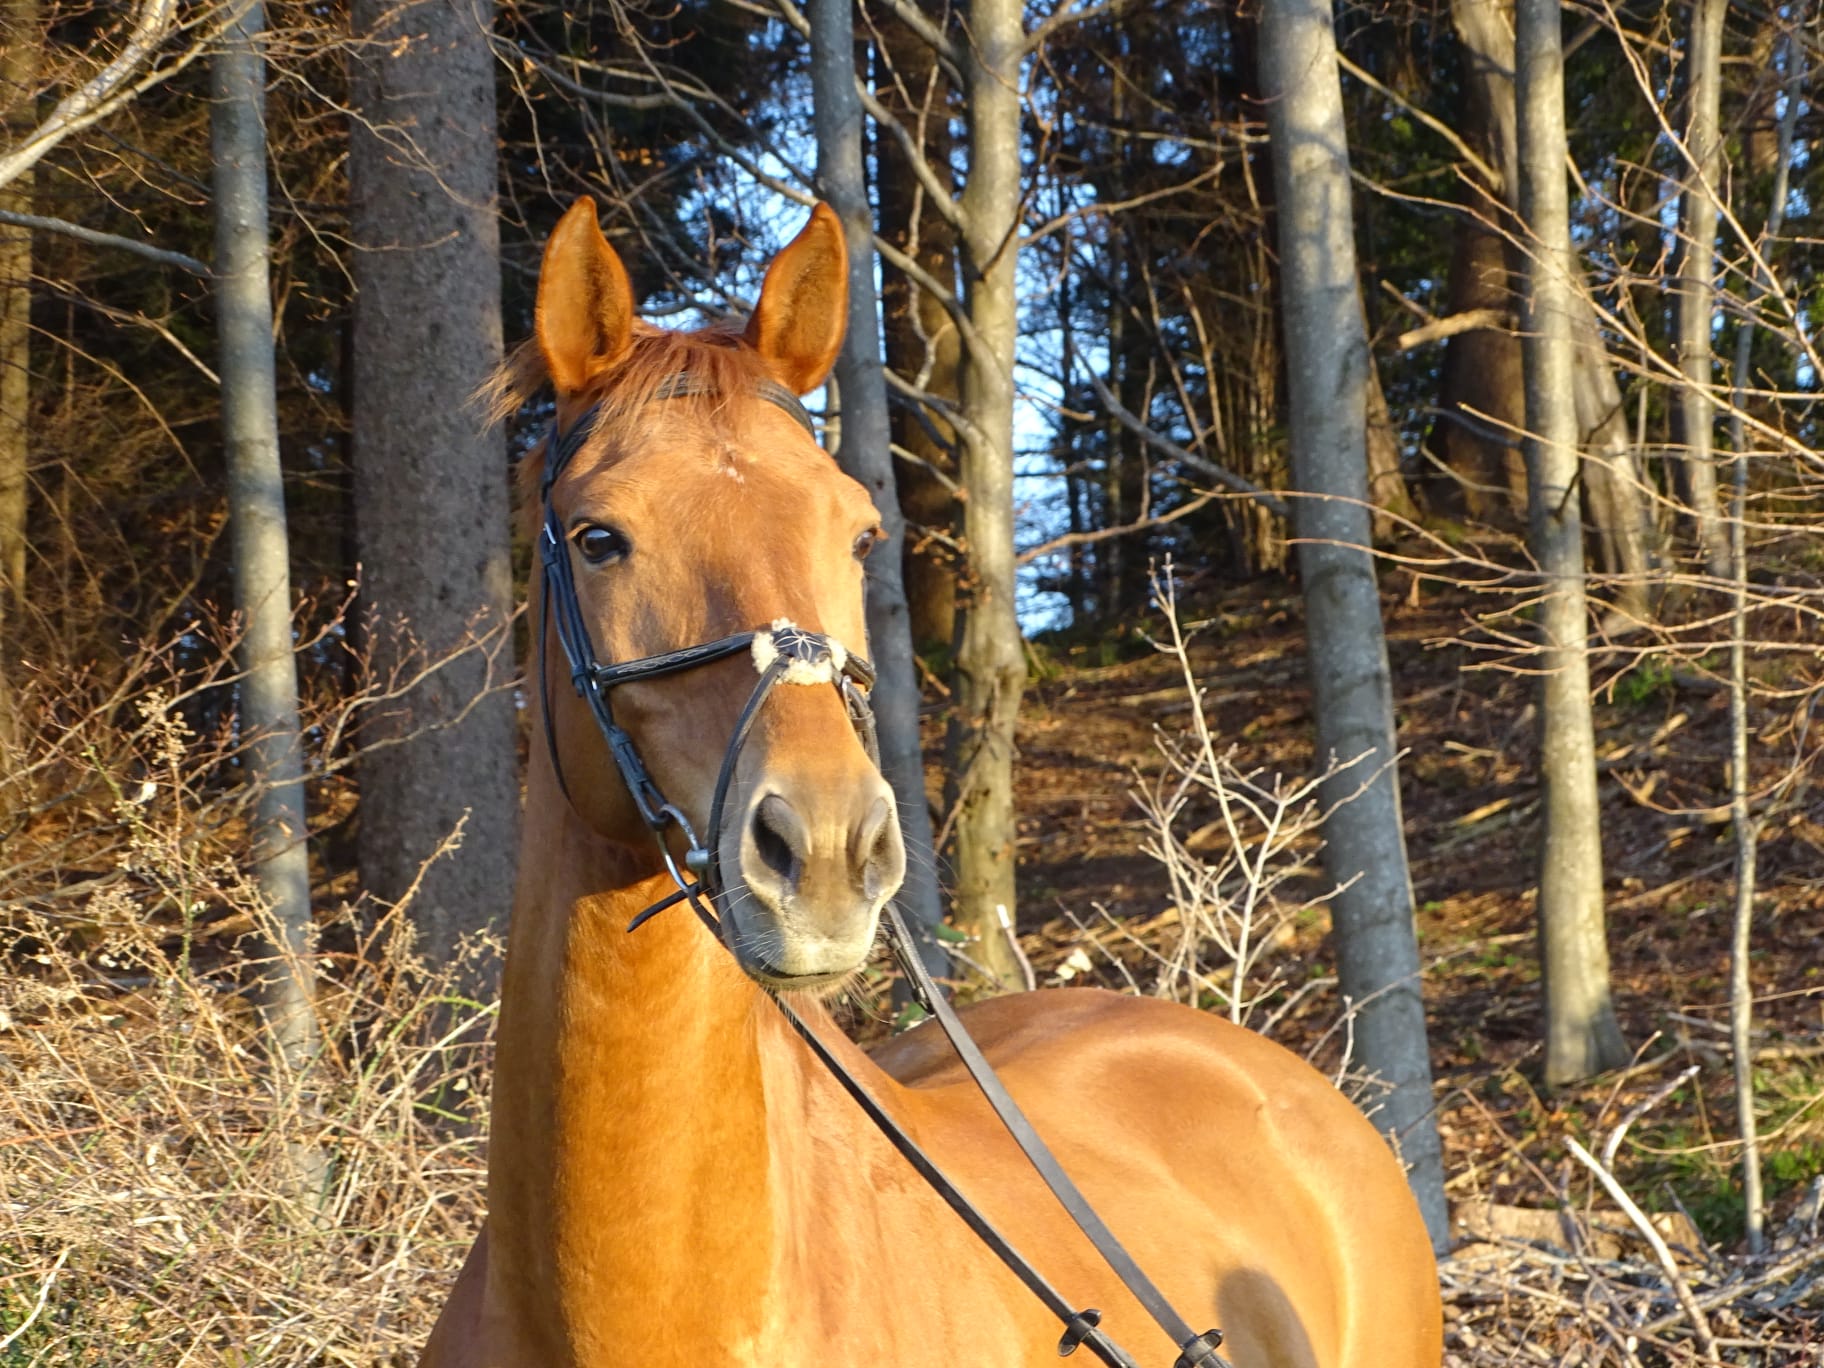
673, 1178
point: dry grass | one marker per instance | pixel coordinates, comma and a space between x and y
147, 1136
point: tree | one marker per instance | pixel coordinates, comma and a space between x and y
262, 572
1697, 276
864, 450
1582, 1036
18, 86
430, 485
1328, 374
990, 653
1613, 483
921, 339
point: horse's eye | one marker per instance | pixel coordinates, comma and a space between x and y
600, 545
866, 541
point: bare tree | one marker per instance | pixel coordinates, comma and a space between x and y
430, 486
19, 42
1582, 1036
1697, 276
1613, 482
262, 572
990, 655
864, 449
1328, 378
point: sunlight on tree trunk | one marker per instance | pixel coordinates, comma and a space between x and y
1616, 487
1744, 825
1582, 1036
430, 483
1702, 174
864, 451
1352, 690
19, 41
262, 578
990, 655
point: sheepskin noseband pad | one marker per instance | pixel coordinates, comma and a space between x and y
810, 657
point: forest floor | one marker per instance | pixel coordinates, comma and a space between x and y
1091, 736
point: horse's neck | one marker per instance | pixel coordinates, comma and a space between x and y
631, 1173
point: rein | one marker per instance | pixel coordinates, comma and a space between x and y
787, 653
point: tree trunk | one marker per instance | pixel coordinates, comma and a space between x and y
864, 451
990, 656
1697, 278
1581, 1033
1352, 688
1613, 477
20, 40
262, 574
430, 482
921, 338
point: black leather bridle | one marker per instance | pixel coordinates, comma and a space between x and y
785, 652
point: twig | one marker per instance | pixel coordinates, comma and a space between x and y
44, 1296
1655, 1241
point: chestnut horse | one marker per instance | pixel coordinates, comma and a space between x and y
673, 1179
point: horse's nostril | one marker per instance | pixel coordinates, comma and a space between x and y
777, 837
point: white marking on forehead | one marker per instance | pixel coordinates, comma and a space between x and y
828, 670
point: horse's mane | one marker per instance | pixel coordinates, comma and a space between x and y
717, 359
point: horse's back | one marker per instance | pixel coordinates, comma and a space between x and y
1255, 1193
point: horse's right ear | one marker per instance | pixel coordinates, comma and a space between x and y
585, 302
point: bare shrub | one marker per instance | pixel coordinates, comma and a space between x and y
147, 1132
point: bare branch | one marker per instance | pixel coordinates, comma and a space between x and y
1223, 476
39, 223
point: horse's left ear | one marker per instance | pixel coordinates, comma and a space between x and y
798, 324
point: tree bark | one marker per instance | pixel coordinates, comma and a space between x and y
922, 342
262, 574
20, 40
864, 450
431, 484
990, 656
1697, 278
1328, 384
1581, 1033
1613, 478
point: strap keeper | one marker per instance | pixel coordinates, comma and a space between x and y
1077, 1329
1200, 1351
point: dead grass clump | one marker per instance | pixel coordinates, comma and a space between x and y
150, 1141
147, 1143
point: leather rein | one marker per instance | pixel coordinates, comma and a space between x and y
786, 653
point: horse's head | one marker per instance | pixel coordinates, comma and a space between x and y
697, 509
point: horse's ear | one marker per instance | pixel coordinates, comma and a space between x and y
585, 302
798, 324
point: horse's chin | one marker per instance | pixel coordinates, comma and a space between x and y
783, 952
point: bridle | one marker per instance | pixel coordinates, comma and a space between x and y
785, 653
782, 652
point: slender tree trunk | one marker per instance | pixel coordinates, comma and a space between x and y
1697, 277
20, 40
864, 451
1581, 1033
1612, 467
922, 342
1743, 823
990, 656
1352, 687
430, 482
262, 573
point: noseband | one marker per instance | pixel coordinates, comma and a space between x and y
785, 653
782, 653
